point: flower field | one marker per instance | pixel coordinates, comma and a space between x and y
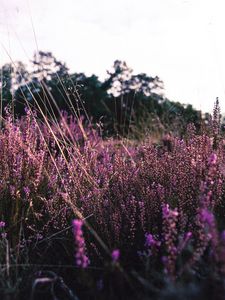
82, 217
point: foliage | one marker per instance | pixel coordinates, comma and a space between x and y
124, 104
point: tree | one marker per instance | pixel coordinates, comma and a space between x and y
46, 74
90, 95
121, 81
131, 96
47, 67
6, 82
123, 102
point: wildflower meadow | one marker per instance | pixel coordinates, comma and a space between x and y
87, 217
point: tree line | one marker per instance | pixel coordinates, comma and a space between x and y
124, 103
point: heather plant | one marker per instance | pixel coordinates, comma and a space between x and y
81, 258
147, 218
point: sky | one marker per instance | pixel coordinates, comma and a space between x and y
181, 41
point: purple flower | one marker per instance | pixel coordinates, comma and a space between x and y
207, 217
2, 224
212, 159
188, 235
150, 241
81, 259
115, 255
26, 191
166, 210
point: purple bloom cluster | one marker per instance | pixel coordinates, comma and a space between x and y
162, 197
207, 217
80, 254
115, 255
151, 241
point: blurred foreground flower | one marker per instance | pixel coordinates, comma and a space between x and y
81, 258
2, 224
115, 255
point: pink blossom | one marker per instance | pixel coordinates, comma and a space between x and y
115, 255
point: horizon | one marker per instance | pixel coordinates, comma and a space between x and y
179, 41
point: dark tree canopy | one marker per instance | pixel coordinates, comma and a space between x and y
122, 102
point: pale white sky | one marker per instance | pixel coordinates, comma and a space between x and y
181, 41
